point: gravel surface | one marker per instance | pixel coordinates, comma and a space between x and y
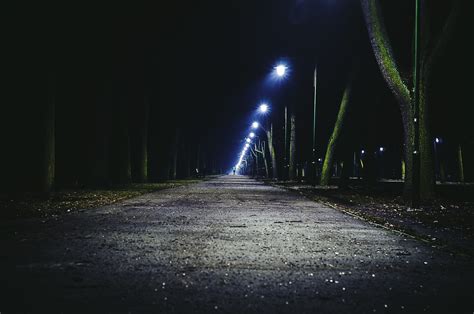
228, 245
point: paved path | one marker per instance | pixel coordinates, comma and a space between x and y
230, 244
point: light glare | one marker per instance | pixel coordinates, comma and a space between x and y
263, 108
280, 70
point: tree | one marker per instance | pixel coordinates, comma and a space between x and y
140, 155
48, 135
174, 154
328, 159
430, 49
120, 163
271, 149
261, 150
292, 159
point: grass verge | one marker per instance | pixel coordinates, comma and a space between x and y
70, 200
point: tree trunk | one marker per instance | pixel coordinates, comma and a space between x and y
460, 164
427, 166
121, 168
271, 149
100, 164
188, 160
140, 173
292, 168
265, 161
48, 149
174, 155
386, 61
328, 159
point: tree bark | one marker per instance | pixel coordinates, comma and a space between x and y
292, 168
271, 149
328, 159
261, 150
386, 61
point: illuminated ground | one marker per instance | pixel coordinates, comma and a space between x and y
230, 244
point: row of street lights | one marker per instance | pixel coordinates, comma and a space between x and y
280, 71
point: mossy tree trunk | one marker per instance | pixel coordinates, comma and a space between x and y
328, 158
430, 50
292, 159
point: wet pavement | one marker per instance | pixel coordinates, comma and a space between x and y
227, 245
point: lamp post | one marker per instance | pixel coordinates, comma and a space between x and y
415, 191
281, 72
315, 84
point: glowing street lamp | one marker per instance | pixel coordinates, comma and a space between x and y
280, 70
252, 135
263, 108
255, 125
248, 140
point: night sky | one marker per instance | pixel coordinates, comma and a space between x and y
205, 66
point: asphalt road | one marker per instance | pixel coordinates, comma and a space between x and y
228, 245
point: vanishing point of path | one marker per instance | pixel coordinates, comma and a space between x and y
227, 245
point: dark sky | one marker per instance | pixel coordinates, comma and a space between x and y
205, 63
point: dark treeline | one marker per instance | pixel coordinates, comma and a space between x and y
90, 107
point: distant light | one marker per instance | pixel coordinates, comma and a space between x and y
362, 152
255, 125
280, 70
319, 159
381, 149
437, 140
248, 140
247, 146
263, 108
252, 135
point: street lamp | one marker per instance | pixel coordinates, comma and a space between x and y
263, 108
280, 70
252, 135
255, 125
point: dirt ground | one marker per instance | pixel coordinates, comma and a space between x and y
227, 245
70, 200
446, 222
